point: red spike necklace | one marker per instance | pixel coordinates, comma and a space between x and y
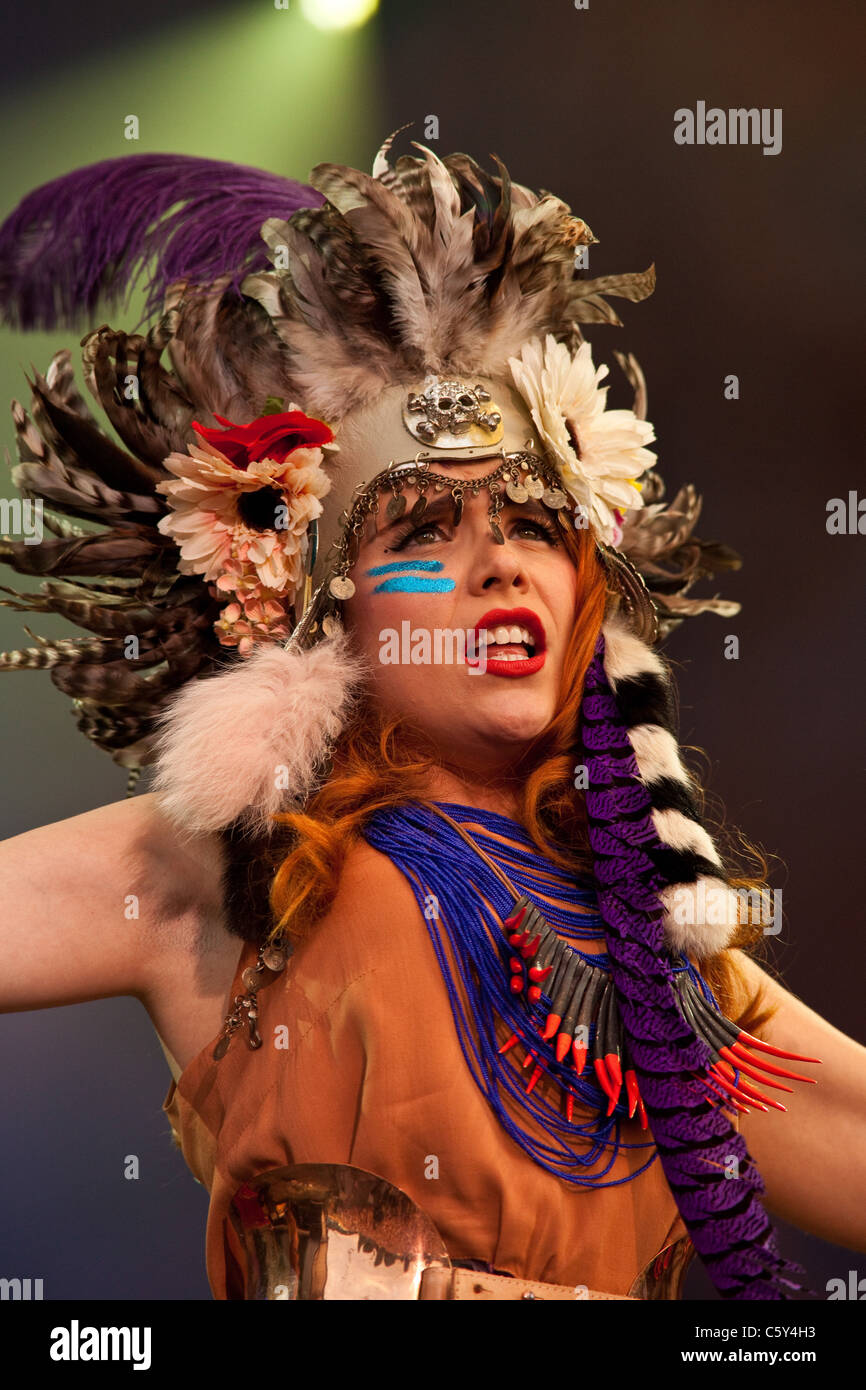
583, 1018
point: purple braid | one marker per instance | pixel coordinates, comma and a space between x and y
696, 1139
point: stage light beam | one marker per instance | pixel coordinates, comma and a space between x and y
338, 14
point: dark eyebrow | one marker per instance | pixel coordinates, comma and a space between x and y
445, 503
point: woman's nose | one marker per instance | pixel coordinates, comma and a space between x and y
501, 564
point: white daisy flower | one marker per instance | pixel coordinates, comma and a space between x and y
600, 452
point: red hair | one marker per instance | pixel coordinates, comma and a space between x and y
381, 761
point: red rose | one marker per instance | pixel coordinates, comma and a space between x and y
268, 437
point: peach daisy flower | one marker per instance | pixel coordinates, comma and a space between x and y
240, 516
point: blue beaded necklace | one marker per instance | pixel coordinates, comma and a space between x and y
464, 902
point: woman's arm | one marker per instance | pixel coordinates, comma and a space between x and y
812, 1159
100, 904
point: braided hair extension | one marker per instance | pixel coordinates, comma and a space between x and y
695, 1139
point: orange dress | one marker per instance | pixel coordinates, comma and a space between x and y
361, 1065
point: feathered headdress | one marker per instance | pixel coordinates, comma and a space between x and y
429, 266
427, 313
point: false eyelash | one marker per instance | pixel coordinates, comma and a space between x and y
409, 531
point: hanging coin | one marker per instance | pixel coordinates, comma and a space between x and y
419, 508
535, 487
497, 534
396, 507
274, 959
554, 497
516, 491
331, 625
341, 587
250, 979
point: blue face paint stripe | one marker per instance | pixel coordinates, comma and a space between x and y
414, 584
405, 565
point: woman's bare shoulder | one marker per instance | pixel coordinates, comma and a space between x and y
366, 865
176, 877
93, 904
371, 886
190, 953
373, 902
184, 871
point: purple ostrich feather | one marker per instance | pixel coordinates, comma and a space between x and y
695, 1138
84, 238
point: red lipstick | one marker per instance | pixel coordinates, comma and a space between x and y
512, 617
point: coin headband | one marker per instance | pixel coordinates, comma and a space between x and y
520, 476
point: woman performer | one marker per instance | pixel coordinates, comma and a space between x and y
493, 1030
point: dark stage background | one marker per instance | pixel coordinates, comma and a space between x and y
759, 274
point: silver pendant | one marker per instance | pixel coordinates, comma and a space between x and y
341, 587
554, 497
250, 979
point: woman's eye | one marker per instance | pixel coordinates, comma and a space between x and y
422, 530
539, 528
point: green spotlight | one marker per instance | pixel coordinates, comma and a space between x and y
338, 14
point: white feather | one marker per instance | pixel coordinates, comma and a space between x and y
247, 743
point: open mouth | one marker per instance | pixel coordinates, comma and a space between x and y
507, 643
512, 641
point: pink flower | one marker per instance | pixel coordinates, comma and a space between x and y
240, 514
